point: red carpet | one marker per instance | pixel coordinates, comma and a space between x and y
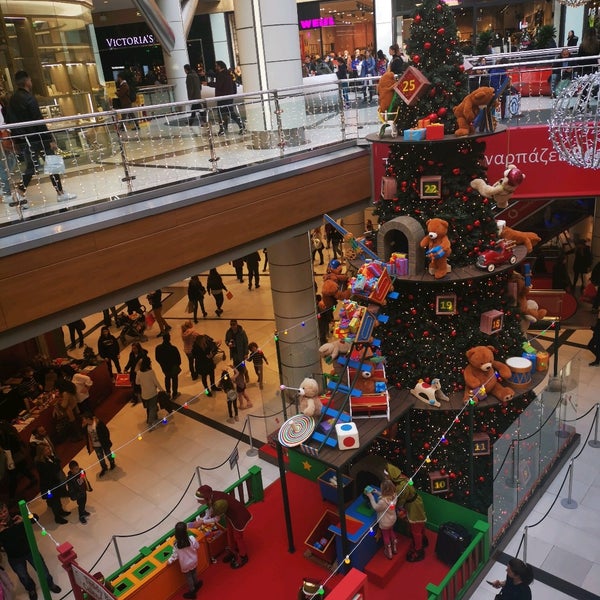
273, 572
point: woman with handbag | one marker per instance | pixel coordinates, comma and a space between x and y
196, 293
188, 337
216, 287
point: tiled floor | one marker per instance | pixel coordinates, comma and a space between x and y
153, 484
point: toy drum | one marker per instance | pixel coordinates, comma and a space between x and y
520, 369
543, 358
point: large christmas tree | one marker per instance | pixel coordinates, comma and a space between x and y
417, 341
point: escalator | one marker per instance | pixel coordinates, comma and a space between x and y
548, 218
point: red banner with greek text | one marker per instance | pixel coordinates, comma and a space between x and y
530, 149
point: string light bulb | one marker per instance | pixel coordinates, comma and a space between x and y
347, 560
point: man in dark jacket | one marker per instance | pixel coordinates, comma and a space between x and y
36, 140
14, 541
225, 86
98, 440
169, 359
252, 261
194, 92
237, 341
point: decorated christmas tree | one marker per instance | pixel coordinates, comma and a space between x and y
434, 321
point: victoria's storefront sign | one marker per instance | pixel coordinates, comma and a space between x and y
130, 41
316, 23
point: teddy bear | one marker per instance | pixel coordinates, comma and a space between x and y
502, 191
438, 247
385, 90
468, 109
528, 238
529, 309
335, 284
331, 350
480, 375
310, 403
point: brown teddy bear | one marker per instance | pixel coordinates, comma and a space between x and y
468, 109
502, 191
528, 238
385, 90
480, 375
438, 247
529, 309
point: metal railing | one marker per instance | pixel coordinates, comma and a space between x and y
118, 153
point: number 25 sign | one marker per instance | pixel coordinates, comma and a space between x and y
411, 85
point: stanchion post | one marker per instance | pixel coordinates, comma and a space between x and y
513, 480
252, 451
561, 432
525, 545
569, 502
595, 443
119, 559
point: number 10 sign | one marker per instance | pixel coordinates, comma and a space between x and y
411, 85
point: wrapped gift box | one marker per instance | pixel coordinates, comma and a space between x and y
401, 266
435, 131
423, 123
414, 135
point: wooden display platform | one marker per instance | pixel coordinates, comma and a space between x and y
388, 139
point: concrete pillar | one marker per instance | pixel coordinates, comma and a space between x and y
218, 26
292, 286
178, 57
384, 26
267, 34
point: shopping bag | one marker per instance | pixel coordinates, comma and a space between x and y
150, 319
190, 307
122, 380
54, 164
229, 295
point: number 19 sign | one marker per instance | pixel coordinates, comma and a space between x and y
411, 85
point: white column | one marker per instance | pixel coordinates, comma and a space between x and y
174, 61
218, 26
269, 49
292, 286
384, 27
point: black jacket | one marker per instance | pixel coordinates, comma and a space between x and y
108, 347
168, 357
103, 437
23, 107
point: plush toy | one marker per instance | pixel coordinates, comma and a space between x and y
480, 375
430, 393
438, 247
385, 90
529, 309
468, 109
528, 238
331, 350
334, 286
502, 191
310, 403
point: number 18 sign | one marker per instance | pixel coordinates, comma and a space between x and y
411, 85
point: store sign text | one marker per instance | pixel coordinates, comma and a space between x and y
132, 40
316, 23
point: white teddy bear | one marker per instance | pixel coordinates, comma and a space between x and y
310, 403
501, 192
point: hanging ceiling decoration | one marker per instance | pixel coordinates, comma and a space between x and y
574, 124
573, 2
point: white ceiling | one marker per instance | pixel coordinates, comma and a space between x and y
109, 5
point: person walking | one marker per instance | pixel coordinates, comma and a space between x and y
194, 92
237, 342
149, 388
169, 359
204, 351
519, 576
215, 286
341, 71
240, 373
188, 337
13, 540
155, 301
109, 349
316, 239
32, 141
367, 70
98, 440
582, 263
227, 385
52, 481
385, 507
258, 358
225, 86
77, 488
136, 355
237, 517
238, 266
252, 261
196, 292
185, 550
76, 329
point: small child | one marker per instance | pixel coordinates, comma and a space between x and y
240, 373
385, 508
226, 383
77, 488
258, 358
185, 550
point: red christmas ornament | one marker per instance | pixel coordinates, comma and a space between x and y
426, 334
432, 92
441, 31
477, 223
416, 59
426, 445
453, 333
427, 45
442, 111
456, 171
417, 18
433, 117
439, 7
461, 68
397, 208
442, 471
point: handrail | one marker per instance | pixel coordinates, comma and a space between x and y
465, 570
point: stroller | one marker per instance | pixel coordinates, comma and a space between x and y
133, 326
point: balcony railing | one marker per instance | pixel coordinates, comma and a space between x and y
113, 155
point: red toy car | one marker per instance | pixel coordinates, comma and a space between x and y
502, 253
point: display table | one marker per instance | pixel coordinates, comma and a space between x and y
153, 576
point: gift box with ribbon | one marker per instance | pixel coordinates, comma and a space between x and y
414, 135
434, 131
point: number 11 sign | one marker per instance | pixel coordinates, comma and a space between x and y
411, 85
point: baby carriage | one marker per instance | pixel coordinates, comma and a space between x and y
133, 326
